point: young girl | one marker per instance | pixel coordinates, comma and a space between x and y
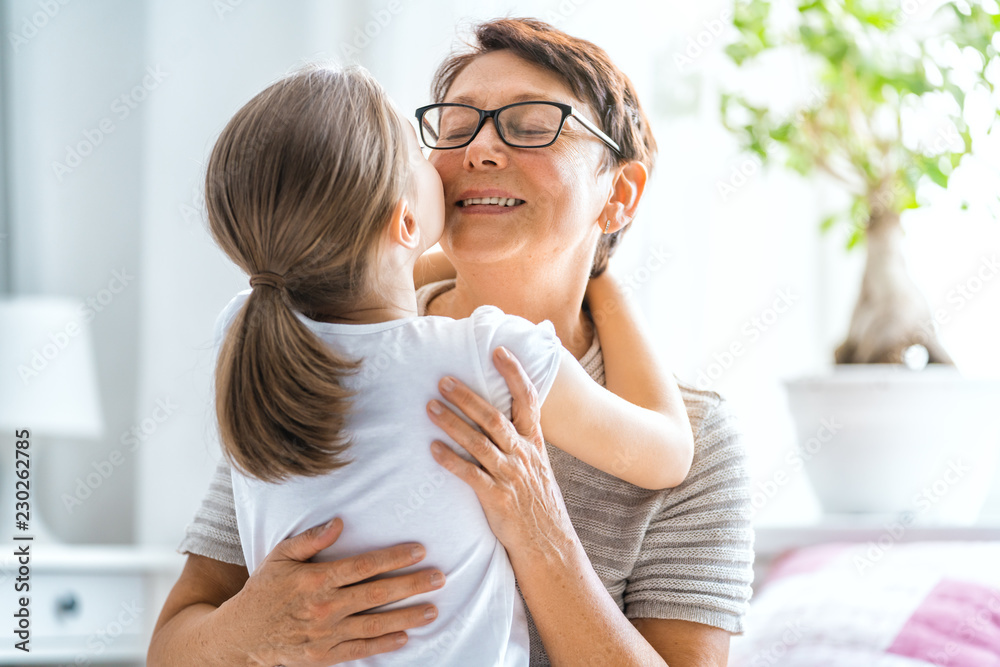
318, 190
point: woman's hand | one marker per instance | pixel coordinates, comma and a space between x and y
577, 621
315, 608
291, 611
515, 485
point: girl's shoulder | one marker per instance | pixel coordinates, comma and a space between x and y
228, 313
491, 327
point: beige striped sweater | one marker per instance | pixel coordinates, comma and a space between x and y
685, 553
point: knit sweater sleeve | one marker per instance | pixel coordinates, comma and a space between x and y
696, 558
214, 533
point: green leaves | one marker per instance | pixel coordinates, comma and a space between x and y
750, 18
782, 132
861, 211
873, 73
932, 169
856, 237
800, 159
740, 51
832, 45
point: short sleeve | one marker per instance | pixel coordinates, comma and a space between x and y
214, 533
535, 346
696, 559
227, 315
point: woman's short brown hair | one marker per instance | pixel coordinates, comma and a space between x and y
591, 76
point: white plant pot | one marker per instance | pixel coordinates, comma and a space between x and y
884, 440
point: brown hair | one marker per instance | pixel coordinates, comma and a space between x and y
301, 183
591, 76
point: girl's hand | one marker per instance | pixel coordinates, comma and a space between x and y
515, 485
603, 292
595, 285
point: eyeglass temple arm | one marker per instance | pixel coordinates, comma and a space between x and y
596, 130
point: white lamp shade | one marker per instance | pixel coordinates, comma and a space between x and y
48, 377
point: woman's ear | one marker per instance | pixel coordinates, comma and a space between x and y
626, 191
403, 228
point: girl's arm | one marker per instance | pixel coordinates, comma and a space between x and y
637, 429
431, 267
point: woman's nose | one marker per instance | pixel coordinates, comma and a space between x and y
487, 148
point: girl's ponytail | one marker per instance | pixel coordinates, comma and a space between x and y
300, 186
279, 396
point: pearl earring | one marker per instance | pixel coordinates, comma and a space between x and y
607, 226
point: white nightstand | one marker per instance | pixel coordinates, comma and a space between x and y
89, 605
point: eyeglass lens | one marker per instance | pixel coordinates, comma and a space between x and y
522, 125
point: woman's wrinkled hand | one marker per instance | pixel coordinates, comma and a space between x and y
314, 611
515, 484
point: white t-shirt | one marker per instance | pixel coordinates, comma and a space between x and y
395, 492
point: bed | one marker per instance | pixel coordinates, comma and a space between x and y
885, 596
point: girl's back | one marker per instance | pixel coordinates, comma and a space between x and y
393, 491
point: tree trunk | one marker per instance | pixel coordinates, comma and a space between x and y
892, 313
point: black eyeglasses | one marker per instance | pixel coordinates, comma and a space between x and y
521, 125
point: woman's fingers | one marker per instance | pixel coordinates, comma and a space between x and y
308, 543
472, 475
381, 632
371, 626
495, 425
525, 410
362, 648
354, 569
483, 448
363, 597
315, 603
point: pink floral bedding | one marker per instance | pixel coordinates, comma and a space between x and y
888, 605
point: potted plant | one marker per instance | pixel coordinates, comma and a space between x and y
877, 65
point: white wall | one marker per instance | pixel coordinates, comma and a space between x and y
217, 62
69, 232
134, 204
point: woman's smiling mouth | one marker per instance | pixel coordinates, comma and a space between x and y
489, 201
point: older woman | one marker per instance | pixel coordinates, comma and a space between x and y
610, 573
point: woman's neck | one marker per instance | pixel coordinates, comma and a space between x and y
533, 297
